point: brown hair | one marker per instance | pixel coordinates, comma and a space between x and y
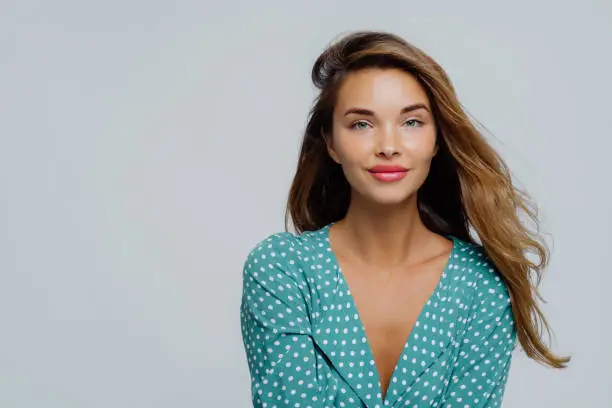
468, 187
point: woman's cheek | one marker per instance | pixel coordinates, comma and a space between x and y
420, 145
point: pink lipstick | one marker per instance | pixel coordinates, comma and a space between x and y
386, 172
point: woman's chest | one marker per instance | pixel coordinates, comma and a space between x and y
407, 388
389, 309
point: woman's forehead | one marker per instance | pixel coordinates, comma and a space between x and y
382, 89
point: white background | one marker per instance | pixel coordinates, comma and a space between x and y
146, 146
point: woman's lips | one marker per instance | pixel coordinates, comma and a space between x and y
389, 175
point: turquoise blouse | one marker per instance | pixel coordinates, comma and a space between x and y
306, 345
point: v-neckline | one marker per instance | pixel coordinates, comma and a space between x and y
413, 332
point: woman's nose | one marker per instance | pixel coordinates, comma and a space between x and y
389, 151
389, 145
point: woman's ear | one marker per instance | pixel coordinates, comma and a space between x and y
437, 146
329, 143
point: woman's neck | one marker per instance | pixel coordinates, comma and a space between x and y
383, 236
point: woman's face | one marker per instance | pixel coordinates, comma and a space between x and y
383, 117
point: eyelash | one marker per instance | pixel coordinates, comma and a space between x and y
353, 125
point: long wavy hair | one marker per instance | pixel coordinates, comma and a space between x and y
469, 186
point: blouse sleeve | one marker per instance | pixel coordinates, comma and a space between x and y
480, 374
276, 329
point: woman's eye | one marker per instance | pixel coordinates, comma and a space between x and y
359, 125
413, 122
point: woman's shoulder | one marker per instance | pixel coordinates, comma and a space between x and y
273, 242
286, 250
473, 268
288, 241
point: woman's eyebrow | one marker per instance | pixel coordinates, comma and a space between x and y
367, 112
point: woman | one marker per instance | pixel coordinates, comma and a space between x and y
384, 298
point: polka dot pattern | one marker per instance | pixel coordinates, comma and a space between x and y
306, 345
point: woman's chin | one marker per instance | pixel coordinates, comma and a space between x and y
390, 198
